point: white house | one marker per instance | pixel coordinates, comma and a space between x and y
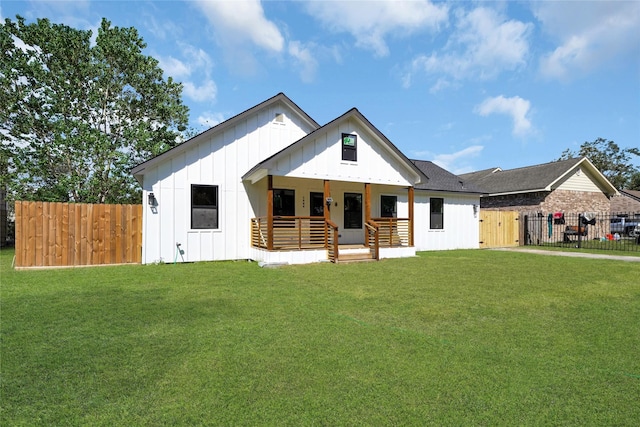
272, 185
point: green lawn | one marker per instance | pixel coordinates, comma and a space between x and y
446, 338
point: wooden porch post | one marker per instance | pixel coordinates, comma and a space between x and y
327, 212
270, 212
411, 197
327, 194
367, 208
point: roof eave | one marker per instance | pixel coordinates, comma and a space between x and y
509, 193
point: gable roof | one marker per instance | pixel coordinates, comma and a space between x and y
476, 176
260, 170
634, 194
138, 170
544, 177
443, 180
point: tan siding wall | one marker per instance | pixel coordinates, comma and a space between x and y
579, 181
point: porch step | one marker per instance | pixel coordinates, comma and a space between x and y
354, 253
354, 257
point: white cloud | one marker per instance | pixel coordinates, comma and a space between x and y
197, 64
515, 107
482, 45
204, 92
589, 34
197, 57
161, 30
370, 22
305, 59
208, 119
241, 21
173, 67
457, 162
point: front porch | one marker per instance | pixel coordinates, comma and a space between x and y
305, 239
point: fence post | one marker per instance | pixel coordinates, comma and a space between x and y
579, 230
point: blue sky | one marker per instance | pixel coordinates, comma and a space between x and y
468, 85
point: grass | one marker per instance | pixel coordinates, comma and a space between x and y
624, 246
446, 338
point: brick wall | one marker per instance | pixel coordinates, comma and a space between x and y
544, 201
576, 201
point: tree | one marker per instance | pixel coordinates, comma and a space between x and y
634, 182
77, 115
612, 161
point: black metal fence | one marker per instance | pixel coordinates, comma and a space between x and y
604, 231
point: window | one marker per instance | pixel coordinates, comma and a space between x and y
437, 213
284, 202
204, 206
352, 210
349, 147
316, 204
388, 206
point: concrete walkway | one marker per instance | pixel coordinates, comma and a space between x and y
572, 254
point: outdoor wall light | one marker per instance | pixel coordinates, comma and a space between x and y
152, 199
329, 201
475, 209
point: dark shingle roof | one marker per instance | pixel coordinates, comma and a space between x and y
441, 180
634, 194
526, 179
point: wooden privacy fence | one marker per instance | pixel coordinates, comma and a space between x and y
75, 234
499, 229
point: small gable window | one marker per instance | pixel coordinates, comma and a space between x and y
349, 147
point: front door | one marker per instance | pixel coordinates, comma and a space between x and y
352, 231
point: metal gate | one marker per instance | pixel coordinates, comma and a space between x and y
499, 229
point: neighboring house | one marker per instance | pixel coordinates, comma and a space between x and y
573, 185
627, 203
272, 185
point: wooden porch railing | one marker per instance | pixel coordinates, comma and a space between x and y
307, 232
332, 241
393, 231
373, 238
290, 232
259, 232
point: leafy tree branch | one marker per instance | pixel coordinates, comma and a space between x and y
77, 117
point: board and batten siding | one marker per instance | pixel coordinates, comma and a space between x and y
579, 181
218, 159
322, 159
461, 226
